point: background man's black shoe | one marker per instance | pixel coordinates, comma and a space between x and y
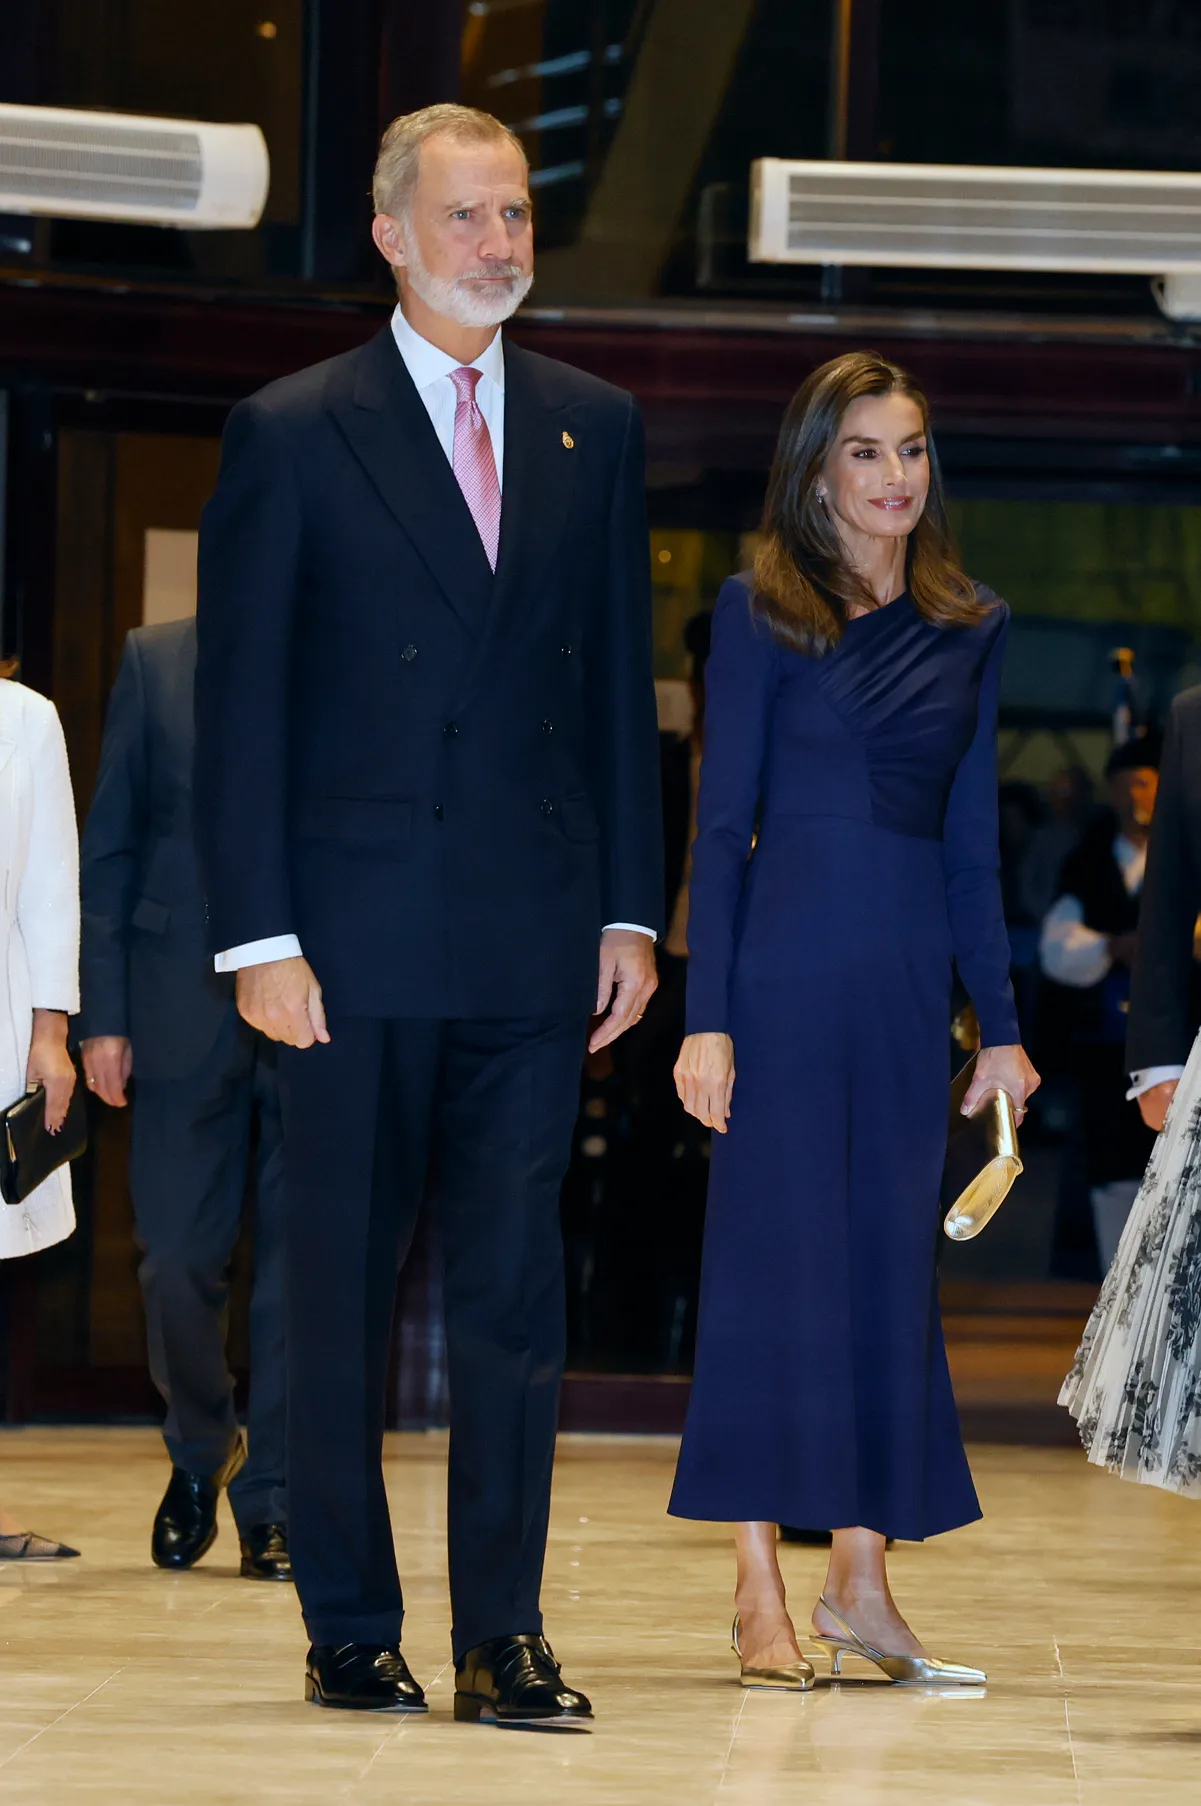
185, 1526
361, 1677
265, 1553
515, 1680
816, 1539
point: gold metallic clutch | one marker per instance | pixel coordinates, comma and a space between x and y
982, 1158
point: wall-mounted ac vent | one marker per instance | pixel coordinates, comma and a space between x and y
955, 216
116, 166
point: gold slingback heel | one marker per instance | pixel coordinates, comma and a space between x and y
902, 1670
792, 1677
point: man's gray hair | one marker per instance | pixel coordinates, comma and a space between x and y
396, 166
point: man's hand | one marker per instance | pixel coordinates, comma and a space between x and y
107, 1064
704, 1078
1153, 1104
627, 982
282, 999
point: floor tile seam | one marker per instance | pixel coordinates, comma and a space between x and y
1067, 1723
396, 1732
54, 1722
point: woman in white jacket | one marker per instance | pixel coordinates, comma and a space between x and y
39, 974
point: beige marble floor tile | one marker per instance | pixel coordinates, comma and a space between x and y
126, 1687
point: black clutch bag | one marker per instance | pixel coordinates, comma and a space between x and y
28, 1151
982, 1158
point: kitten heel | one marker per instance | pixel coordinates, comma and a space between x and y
789, 1677
901, 1670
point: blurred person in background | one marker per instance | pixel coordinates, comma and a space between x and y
1087, 946
1164, 992
667, 1161
205, 1114
39, 865
1069, 806
1020, 814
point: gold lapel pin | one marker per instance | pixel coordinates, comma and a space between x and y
569, 442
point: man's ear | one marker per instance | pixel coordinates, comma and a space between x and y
389, 241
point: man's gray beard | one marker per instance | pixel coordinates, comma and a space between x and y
450, 297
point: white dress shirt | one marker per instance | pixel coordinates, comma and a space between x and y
430, 370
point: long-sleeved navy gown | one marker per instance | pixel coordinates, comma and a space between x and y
821, 1394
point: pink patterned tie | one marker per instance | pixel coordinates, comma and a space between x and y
474, 463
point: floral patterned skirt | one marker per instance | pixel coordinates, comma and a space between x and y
1135, 1386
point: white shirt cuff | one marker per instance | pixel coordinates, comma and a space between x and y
258, 953
287, 946
1149, 1077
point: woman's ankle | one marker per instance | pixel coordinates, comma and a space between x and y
760, 1600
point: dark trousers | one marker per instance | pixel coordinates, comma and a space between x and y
484, 1111
189, 1170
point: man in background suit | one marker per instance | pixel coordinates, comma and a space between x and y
428, 807
1162, 1020
153, 1007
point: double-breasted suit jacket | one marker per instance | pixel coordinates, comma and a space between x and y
433, 775
146, 973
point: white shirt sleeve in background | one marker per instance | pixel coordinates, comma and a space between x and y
1070, 953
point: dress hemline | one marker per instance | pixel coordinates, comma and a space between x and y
900, 1530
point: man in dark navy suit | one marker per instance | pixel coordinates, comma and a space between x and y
206, 1105
428, 804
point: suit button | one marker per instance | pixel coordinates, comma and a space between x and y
548, 727
451, 729
566, 651
438, 812
409, 654
548, 808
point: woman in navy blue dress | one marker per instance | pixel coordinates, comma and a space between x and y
845, 857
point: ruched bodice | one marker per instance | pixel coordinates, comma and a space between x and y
895, 728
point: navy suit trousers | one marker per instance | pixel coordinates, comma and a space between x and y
189, 1167
478, 1115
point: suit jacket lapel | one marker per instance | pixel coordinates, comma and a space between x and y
385, 422
539, 478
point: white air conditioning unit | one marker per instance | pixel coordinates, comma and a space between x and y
121, 166
958, 216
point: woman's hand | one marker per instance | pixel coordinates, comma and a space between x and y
704, 1078
51, 1065
1002, 1069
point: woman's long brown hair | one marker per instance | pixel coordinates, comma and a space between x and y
804, 585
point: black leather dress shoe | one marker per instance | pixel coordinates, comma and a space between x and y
265, 1553
515, 1681
361, 1677
185, 1526
814, 1539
